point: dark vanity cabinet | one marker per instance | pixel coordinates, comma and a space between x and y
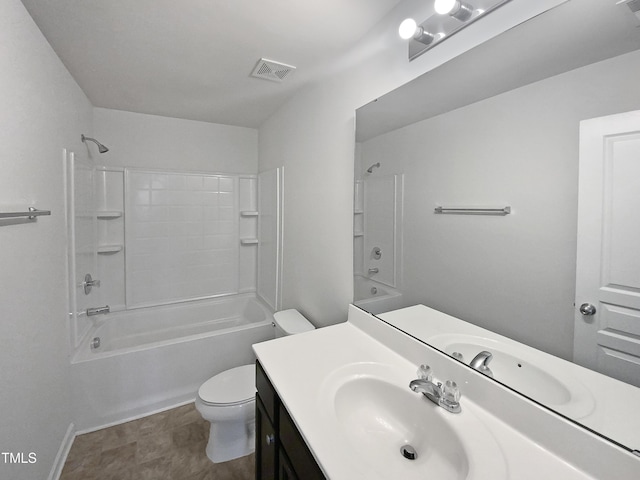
281, 452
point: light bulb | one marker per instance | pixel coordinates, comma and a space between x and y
407, 28
457, 9
444, 6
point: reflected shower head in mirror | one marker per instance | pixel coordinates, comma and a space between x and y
101, 147
375, 165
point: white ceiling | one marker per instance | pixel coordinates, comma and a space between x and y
193, 58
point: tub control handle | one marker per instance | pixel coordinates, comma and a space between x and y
270, 439
89, 283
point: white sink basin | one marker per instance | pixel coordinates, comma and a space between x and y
520, 371
377, 414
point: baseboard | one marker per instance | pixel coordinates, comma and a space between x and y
63, 452
140, 413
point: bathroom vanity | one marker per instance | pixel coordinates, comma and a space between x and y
335, 403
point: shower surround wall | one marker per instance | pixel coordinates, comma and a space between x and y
181, 236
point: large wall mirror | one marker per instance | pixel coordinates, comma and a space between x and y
500, 126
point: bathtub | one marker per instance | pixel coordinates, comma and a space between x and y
152, 359
375, 297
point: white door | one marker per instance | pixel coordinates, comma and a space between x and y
607, 318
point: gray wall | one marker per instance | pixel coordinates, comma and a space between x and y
515, 274
152, 141
43, 111
312, 135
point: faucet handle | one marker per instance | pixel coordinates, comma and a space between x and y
458, 356
424, 372
451, 392
450, 399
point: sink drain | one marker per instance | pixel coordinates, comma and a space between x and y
408, 452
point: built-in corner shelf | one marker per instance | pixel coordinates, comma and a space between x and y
106, 249
249, 213
358, 212
248, 241
108, 214
358, 234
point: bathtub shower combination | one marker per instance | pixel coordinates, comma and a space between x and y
375, 297
377, 241
181, 305
155, 358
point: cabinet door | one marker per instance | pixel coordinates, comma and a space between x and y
285, 470
299, 456
265, 444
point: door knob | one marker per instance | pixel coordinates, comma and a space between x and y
587, 309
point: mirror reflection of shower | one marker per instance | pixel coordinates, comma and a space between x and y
377, 228
375, 165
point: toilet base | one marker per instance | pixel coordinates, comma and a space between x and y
230, 440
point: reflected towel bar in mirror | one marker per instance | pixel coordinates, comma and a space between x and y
473, 210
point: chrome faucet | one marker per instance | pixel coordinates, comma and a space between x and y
373, 270
447, 396
481, 363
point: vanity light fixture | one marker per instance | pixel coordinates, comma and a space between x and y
409, 29
455, 8
450, 17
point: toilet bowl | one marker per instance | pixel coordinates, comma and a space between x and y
228, 399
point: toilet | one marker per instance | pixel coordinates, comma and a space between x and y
228, 399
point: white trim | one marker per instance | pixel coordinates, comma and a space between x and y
131, 418
63, 452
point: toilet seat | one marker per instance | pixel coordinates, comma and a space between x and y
231, 387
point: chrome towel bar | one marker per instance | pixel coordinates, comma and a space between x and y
31, 214
473, 210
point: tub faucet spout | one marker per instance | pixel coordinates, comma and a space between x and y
97, 311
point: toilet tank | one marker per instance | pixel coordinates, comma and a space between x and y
290, 322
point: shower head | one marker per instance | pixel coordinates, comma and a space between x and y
375, 165
101, 147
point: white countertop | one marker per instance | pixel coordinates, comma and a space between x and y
302, 367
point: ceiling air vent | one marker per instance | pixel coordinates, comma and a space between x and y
270, 70
634, 6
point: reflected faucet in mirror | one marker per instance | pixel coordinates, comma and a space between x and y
481, 363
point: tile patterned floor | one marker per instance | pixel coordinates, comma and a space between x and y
166, 446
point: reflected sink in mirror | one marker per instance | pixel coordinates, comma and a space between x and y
378, 414
533, 377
